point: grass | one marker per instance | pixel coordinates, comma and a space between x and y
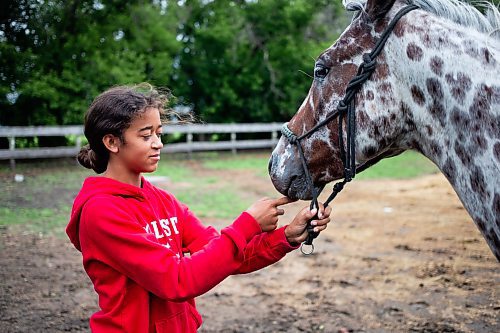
175, 170
45, 220
223, 203
42, 202
202, 194
249, 162
407, 165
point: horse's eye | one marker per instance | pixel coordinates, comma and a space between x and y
320, 71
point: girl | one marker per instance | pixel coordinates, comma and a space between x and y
146, 253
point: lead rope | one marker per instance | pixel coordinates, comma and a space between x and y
346, 107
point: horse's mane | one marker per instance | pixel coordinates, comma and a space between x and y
463, 13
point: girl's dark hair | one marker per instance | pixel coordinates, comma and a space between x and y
112, 113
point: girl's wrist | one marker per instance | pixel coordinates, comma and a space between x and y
289, 237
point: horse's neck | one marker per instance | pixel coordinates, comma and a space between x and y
451, 84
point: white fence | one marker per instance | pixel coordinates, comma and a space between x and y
190, 130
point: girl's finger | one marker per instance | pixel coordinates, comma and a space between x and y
319, 228
302, 237
321, 210
282, 201
280, 211
323, 221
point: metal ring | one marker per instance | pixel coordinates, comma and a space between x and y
306, 253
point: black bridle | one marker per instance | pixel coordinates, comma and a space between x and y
346, 108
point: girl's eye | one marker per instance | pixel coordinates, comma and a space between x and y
148, 136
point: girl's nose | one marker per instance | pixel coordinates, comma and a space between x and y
157, 144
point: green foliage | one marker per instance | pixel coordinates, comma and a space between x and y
56, 56
242, 64
231, 60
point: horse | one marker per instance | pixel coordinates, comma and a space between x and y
434, 89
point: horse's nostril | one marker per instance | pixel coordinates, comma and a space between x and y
270, 164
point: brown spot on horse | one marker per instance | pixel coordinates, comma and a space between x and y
478, 183
450, 170
436, 109
429, 130
381, 72
418, 95
479, 141
462, 154
414, 52
435, 89
496, 151
496, 205
481, 103
459, 86
385, 87
436, 64
435, 149
370, 96
471, 48
487, 57
459, 119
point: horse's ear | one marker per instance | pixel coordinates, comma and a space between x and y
378, 8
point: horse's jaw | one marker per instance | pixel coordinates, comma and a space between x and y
296, 190
392, 152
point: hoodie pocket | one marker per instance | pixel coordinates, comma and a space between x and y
182, 322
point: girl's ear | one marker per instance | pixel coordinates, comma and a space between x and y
111, 142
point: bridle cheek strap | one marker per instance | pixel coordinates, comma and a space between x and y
345, 109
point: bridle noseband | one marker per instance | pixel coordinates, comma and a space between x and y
345, 108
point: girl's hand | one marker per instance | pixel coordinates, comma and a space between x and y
296, 232
266, 212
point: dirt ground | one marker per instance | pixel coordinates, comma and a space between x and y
400, 256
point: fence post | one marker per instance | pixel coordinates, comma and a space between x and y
190, 142
12, 146
233, 143
78, 146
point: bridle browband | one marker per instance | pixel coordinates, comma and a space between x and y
346, 108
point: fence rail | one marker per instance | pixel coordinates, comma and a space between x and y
190, 130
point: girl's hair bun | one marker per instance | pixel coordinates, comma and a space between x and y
89, 159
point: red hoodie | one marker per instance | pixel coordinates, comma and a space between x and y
148, 256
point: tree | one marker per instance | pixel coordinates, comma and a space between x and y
242, 60
56, 56
234, 61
